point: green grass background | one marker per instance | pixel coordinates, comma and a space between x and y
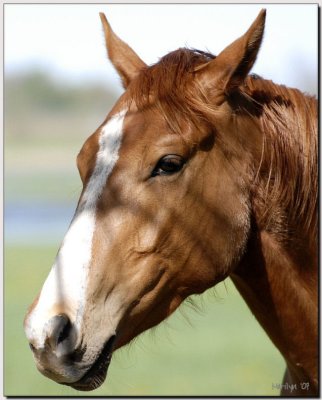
219, 350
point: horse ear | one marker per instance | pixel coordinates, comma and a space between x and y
232, 65
125, 60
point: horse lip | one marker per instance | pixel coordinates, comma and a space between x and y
96, 375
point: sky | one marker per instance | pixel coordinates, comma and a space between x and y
66, 40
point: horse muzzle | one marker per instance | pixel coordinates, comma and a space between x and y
59, 358
54, 350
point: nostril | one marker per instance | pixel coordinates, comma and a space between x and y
58, 330
64, 332
32, 347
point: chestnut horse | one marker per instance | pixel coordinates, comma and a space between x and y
199, 172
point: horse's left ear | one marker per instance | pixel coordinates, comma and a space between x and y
231, 66
125, 60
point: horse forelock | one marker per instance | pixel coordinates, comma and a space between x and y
170, 86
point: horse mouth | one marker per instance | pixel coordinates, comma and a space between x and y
96, 375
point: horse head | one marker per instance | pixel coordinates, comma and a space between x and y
164, 210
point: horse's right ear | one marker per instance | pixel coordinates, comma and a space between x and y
126, 62
229, 69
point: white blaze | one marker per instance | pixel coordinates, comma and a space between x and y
65, 286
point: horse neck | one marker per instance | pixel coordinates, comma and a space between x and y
278, 274
283, 297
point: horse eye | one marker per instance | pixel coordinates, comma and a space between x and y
168, 165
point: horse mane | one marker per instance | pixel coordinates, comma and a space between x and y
288, 120
287, 194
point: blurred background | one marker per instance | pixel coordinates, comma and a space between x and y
59, 87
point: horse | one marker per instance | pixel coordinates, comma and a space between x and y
200, 171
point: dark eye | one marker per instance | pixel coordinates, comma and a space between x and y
168, 165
